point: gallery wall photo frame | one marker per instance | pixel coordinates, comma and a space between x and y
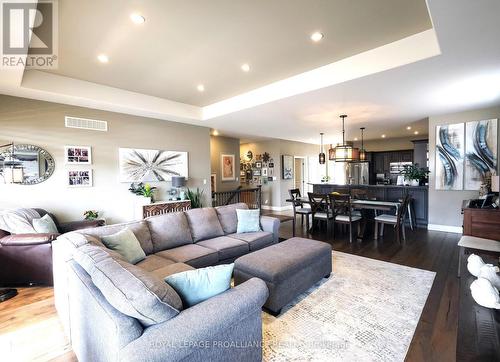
228, 171
287, 167
213, 182
79, 178
77, 155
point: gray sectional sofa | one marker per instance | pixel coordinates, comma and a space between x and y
226, 327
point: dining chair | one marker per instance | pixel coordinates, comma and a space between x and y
299, 209
359, 194
320, 209
398, 221
343, 213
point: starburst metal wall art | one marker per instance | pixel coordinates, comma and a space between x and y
140, 165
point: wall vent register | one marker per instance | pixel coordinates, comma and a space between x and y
85, 123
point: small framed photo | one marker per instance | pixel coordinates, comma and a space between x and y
258, 164
270, 172
242, 173
264, 172
80, 178
256, 173
78, 155
269, 179
271, 164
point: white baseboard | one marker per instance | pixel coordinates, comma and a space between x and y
277, 208
446, 228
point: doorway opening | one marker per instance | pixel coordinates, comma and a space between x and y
300, 174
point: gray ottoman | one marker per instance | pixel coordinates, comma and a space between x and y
288, 268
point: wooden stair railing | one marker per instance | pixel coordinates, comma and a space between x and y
250, 196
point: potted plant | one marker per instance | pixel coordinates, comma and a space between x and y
144, 190
196, 198
91, 215
413, 174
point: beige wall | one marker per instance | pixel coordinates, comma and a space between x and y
275, 193
224, 145
42, 124
445, 206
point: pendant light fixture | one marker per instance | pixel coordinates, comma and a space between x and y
362, 151
322, 157
343, 152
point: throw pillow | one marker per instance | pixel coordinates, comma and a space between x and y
19, 221
195, 286
248, 221
126, 244
45, 225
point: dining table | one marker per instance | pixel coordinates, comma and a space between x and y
361, 204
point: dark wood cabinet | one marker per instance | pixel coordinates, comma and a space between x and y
381, 161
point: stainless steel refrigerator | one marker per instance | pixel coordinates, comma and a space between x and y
357, 173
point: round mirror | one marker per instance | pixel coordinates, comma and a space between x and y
26, 164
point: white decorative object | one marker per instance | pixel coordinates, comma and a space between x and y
415, 182
489, 272
78, 155
474, 264
485, 294
80, 178
140, 165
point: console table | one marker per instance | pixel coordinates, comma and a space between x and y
164, 207
483, 223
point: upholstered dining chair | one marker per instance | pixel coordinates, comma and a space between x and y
320, 209
299, 209
343, 213
397, 221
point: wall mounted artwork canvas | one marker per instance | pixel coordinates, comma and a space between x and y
141, 165
450, 149
480, 152
287, 167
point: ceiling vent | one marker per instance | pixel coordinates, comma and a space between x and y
85, 123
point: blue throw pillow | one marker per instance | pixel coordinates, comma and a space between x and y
248, 221
195, 286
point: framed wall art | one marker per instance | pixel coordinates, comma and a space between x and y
78, 155
450, 149
287, 167
227, 168
79, 178
142, 165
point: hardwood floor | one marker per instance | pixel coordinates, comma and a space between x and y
30, 330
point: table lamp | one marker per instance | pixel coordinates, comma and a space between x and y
177, 183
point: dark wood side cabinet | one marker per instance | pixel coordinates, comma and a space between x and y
483, 223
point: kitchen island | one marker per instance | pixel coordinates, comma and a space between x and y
419, 195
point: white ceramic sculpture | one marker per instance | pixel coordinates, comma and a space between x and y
489, 272
485, 294
474, 264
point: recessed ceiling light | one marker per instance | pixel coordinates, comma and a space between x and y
215, 132
245, 67
137, 18
408, 128
103, 58
416, 132
316, 36
383, 136
355, 138
201, 88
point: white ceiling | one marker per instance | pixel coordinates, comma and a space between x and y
185, 43
463, 73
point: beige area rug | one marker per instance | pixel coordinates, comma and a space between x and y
366, 311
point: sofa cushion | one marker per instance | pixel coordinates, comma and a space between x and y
204, 223
139, 228
128, 288
196, 286
154, 262
227, 216
226, 247
248, 221
45, 225
169, 231
195, 255
171, 269
126, 244
257, 240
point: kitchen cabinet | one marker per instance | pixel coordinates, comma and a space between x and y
382, 160
421, 152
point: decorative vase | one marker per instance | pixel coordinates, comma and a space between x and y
415, 182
